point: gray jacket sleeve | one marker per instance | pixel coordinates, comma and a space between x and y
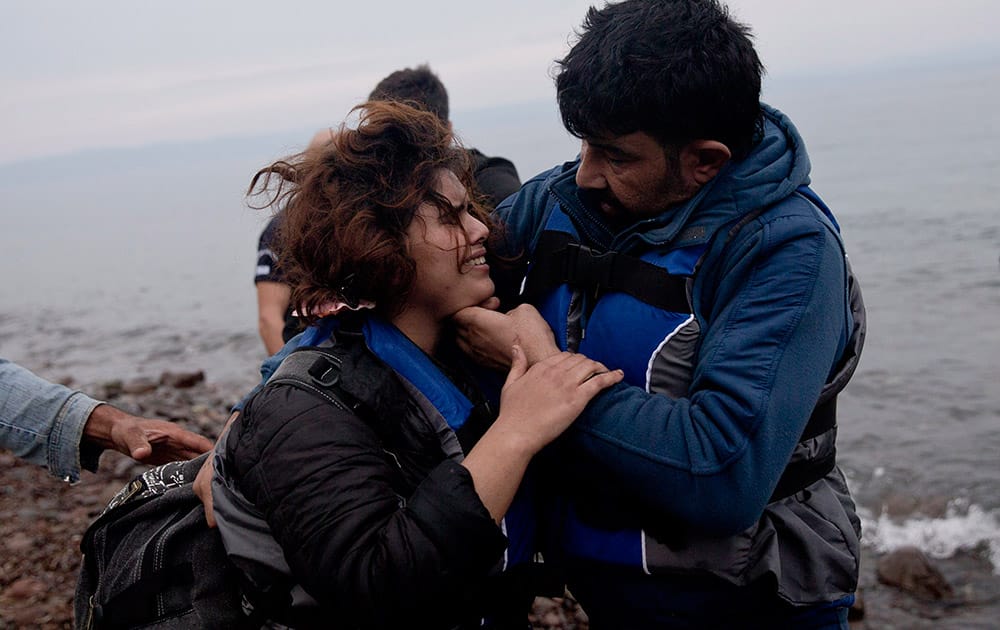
42, 422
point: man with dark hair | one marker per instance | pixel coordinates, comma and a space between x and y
684, 247
417, 85
496, 178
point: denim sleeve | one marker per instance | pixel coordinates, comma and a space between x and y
42, 422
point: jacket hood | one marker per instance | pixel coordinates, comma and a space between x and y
775, 167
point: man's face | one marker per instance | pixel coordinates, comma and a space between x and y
630, 177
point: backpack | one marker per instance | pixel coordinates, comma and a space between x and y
151, 561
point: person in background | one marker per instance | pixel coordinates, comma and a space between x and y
275, 321
64, 430
496, 179
685, 247
370, 485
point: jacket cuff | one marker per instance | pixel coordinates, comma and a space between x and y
65, 450
452, 515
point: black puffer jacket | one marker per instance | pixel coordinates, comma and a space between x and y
374, 515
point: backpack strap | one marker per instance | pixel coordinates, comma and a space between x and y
267, 596
317, 369
559, 259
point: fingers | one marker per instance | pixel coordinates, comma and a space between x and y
128, 438
580, 370
593, 374
490, 303
195, 442
134, 443
170, 442
203, 489
470, 314
599, 381
526, 310
584, 368
519, 363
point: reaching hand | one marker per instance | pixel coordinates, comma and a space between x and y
143, 439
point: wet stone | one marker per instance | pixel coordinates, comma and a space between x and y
910, 570
182, 380
24, 588
140, 386
18, 542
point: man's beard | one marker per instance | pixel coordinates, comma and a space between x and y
605, 203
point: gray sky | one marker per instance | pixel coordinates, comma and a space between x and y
112, 73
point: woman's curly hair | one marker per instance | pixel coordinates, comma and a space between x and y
347, 206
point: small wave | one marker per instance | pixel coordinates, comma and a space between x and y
963, 527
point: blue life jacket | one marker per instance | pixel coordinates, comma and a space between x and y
634, 312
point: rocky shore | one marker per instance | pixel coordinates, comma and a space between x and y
42, 521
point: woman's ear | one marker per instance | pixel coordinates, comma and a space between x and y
701, 160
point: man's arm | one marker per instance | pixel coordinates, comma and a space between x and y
772, 331
272, 304
42, 422
143, 439
53, 426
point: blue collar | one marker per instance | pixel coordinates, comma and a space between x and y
410, 362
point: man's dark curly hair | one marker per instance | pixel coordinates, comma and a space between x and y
678, 70
417, 87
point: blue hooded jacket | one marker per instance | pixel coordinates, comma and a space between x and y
773, 307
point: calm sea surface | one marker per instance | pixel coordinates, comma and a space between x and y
127, 263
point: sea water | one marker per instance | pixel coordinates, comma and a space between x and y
130, 262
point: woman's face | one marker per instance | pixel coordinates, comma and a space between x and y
450, 259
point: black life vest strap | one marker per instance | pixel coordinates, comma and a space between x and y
559, 259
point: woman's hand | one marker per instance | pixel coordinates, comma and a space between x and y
538, 403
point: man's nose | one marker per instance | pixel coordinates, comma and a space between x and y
589, 175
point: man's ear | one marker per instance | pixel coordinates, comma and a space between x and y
701, 160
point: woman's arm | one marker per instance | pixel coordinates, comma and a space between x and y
331, 494
536, 406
